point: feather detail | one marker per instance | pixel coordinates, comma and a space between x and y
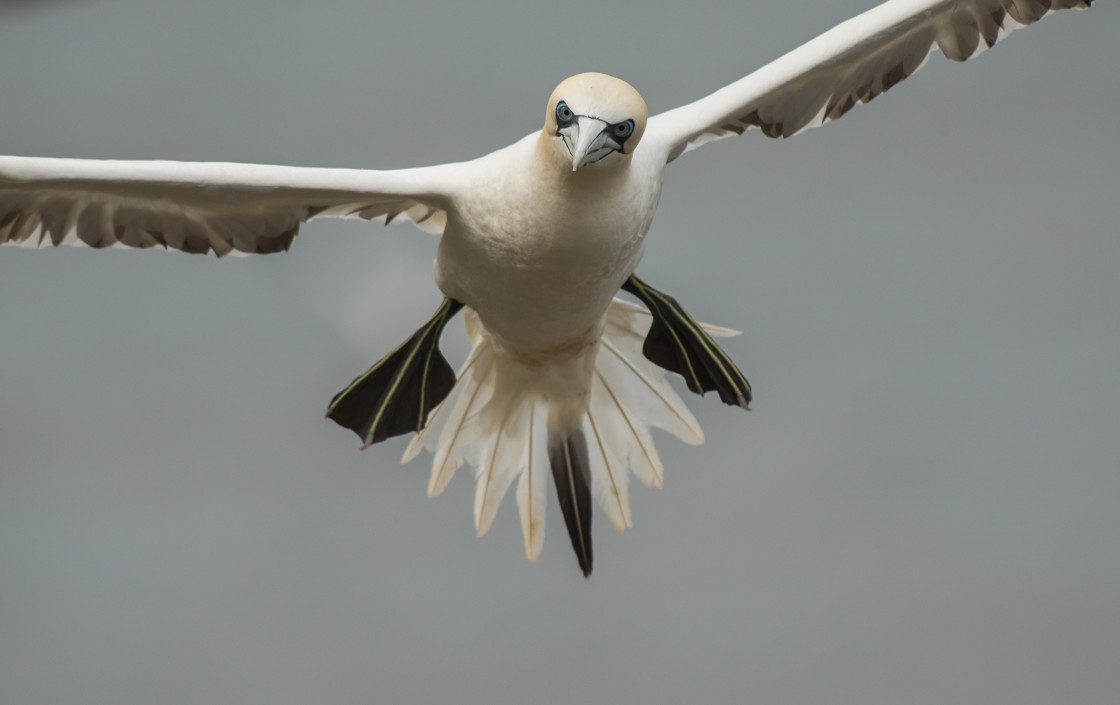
675, 416
852, 63
568, 458
511, 421
447, 430
532, 490
200, 207
643, 457
609, 479
507, 457
450, 435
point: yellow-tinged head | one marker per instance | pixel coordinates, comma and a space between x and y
594, 120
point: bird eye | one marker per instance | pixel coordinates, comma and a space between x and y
622, 130
564, 114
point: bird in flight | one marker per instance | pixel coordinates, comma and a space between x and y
537, 239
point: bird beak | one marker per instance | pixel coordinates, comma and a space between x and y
589, 140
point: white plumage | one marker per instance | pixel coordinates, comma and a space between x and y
536, 240
629, 396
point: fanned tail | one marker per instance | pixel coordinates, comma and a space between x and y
497, 428
589, 419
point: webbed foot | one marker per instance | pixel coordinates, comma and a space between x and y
679, 344
395, 396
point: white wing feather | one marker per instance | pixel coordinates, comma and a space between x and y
202, 207
853, 62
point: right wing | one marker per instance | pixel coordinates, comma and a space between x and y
853, 62
200, 207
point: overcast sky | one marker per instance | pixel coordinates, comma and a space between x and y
923, 507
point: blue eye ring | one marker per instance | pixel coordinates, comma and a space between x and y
622, 130
564, 114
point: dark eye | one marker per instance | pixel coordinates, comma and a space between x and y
622, 130
564, 114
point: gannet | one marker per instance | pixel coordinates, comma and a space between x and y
537, 238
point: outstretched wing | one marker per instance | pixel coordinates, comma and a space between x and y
854, 61
201, 207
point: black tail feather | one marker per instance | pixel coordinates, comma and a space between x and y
679, 344
395, 396
572, 476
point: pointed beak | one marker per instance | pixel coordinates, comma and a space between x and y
590, 136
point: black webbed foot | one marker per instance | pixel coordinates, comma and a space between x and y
395, 396
679, 344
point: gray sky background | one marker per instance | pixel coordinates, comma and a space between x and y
923, 507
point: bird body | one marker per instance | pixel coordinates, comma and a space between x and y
540, 251
536, 239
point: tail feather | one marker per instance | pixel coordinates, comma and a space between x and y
642, 455
637, 380
498, 467
449, 431
452, 430
570, 472
500, 420
608, 457
532, 489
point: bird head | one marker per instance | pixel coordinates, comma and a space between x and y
594, 120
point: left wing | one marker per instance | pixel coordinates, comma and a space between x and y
854, 61
200, 207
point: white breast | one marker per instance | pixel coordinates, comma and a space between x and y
539, 252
